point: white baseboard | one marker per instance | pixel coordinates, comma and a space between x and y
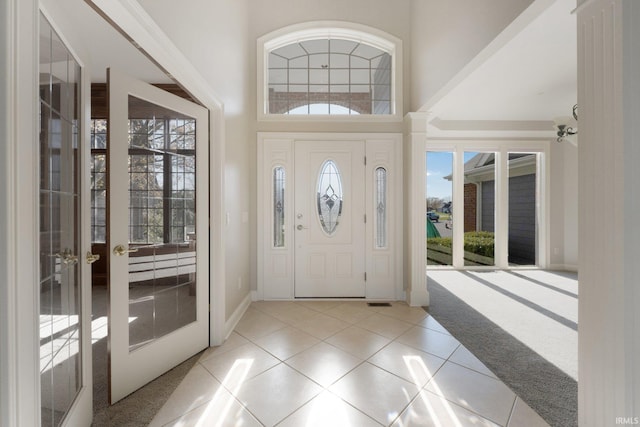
231, 324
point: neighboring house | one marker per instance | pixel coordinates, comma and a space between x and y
479, 202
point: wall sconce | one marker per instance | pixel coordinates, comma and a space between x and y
566, 128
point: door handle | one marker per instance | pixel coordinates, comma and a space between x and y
301, 227
67, 257
91, 258
120, 250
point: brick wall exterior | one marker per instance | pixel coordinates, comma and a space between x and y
470, 207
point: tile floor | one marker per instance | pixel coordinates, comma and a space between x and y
337, 363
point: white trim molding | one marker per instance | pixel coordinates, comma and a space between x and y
19, 207
414, 178
608, 158
235, 318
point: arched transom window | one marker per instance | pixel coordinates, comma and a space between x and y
329, 72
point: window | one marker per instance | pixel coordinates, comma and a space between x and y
98, 181
161, 180
278, 207
329, 197
381, 207
329, 71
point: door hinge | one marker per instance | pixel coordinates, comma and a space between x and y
365, 276
365, 218
365, 160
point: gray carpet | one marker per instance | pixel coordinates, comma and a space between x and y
544, 387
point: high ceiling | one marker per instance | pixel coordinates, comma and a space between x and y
523, 84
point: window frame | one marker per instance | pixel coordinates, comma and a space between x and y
330, 30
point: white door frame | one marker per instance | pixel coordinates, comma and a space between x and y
130, 18
277, 149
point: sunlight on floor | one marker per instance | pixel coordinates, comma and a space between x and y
222, 401
544, 318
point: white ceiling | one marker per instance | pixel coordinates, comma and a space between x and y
527, 82
104, 46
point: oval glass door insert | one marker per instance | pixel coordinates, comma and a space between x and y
329, 197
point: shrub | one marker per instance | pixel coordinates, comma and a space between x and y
480, 243
439, 241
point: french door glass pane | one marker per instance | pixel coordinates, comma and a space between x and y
523, 230
479, 208
439, 208
60, 292
162, 188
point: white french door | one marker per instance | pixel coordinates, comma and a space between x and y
329, 219
158, 241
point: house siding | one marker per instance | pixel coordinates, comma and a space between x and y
522, 220
522, 217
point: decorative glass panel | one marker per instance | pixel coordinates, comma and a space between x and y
278, 207
329, 196
381, 208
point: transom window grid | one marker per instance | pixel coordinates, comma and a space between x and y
329, 77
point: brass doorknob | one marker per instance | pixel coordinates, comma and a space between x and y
120, 250
91, 258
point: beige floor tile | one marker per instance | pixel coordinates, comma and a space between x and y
324, 363
430, 322
359, 342
322, 326
384, 325
295, 314
256, 324
407, 362
276, 393
328, 410
286, 342
476, 392
524, 416
351, 313
433, 342
400, 310
320, 306
234, 341
377, 393
238, 365
222, 411
464, 357
429, 410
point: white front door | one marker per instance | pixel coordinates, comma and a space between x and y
158, 224
329, 222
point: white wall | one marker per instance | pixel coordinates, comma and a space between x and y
563, 209
446, 35
570, 170
213, 36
